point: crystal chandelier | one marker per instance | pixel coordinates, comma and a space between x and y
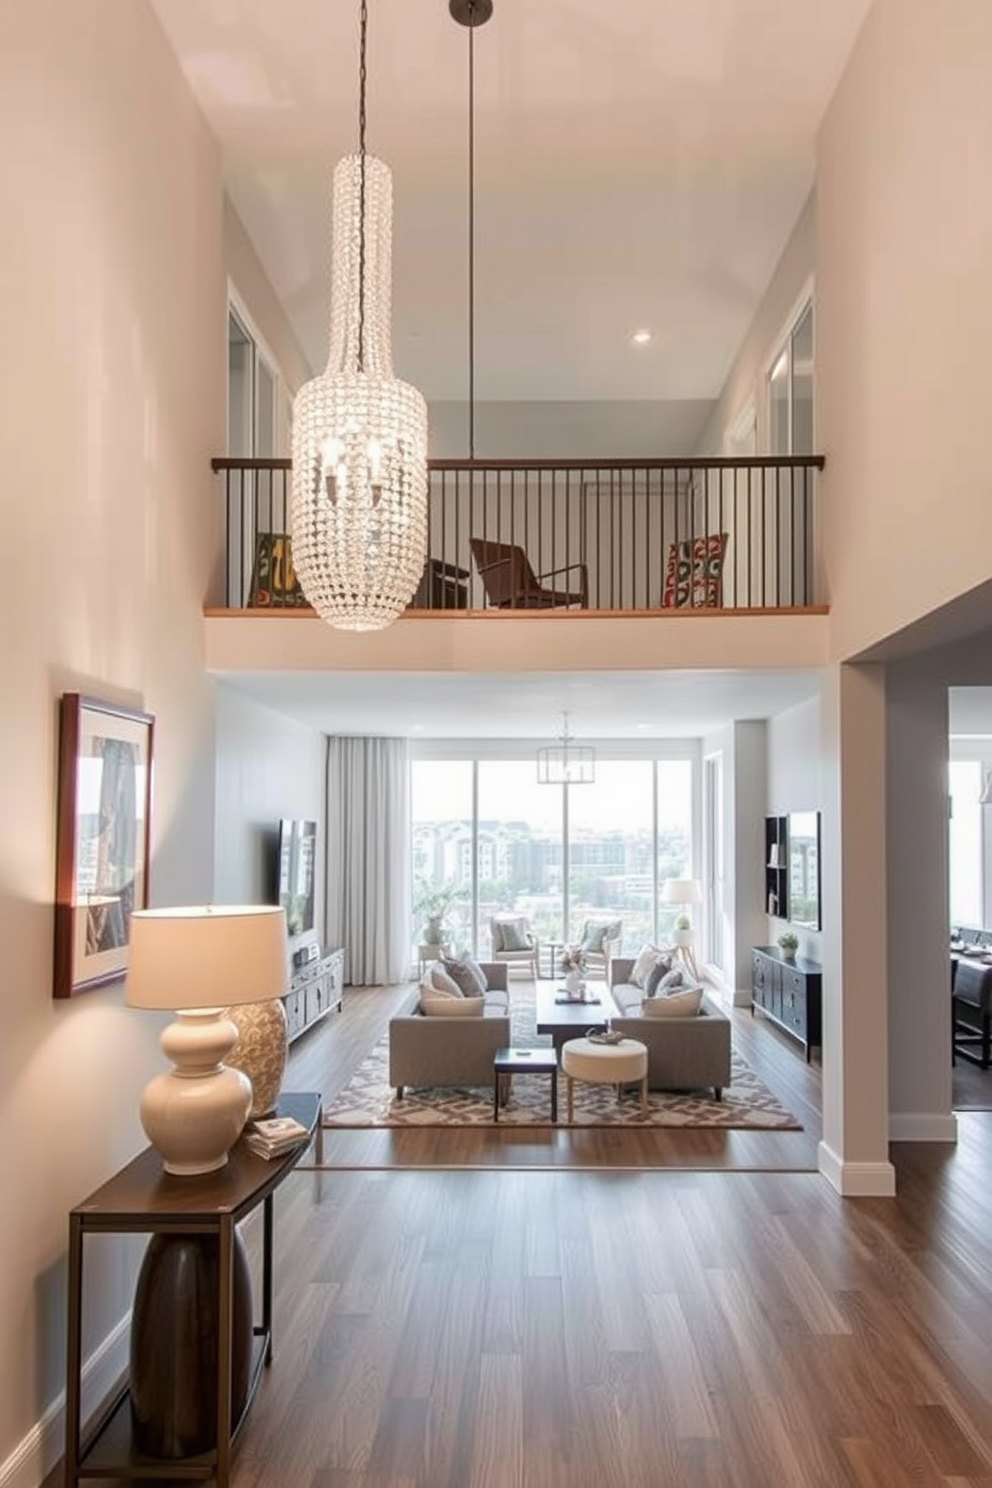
359, 495
566, 763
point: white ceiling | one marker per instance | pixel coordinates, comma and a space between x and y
528, 705
637, 164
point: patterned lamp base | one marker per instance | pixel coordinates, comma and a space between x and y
260, 1052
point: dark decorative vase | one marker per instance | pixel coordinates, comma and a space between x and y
174, 1344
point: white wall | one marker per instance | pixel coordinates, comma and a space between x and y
249, 280
904, 318
580, 431
112, 294
268, 767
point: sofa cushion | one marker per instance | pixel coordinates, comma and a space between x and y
684, 1003
672, 980
628, 998
434, 1005
658, 976
468, 974
440, 981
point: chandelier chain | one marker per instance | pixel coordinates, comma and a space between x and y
471, 231
362, 79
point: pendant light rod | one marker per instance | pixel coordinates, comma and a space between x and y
362, 120
471, 13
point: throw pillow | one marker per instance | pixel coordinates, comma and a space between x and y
467, 973
672, 980
593, 935
440, 981
682, 1004
694, 573
496, 932
658, 974
435, 1005
514, 936
647, 957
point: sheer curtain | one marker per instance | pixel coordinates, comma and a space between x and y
368, 857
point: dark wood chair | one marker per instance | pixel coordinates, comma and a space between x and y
511, 583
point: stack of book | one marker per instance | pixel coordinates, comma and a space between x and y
275, 1135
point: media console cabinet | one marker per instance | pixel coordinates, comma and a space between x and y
315, 988
790, 992
142, 1197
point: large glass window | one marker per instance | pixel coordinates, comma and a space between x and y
965, 842
441, 837
557, 854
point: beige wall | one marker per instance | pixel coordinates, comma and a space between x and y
112, 292
904, 317
747, 375
268, 767
249, 281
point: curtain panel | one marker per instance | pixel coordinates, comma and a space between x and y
368, 858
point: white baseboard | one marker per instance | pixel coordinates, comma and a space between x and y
856, 1180
34, 1457
923, 1126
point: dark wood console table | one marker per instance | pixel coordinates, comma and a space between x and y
143, 1198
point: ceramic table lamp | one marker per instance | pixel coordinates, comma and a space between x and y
196, 961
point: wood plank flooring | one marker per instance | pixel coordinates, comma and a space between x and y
703, 1320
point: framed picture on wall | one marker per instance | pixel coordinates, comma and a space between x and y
102, 838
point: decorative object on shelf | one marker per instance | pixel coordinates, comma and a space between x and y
566, 763
196, 960
359, 494
260, 1053
788, 944
101, 851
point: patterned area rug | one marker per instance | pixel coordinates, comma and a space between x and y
368, 1099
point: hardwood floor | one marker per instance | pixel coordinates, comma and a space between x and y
704, 1319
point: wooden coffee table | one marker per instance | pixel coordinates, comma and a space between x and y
568, 1020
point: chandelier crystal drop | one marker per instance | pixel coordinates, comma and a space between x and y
359, 491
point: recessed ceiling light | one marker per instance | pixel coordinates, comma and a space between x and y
641, 337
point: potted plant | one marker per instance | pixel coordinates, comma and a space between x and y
572, 965
788, 944
433, 902
682, 935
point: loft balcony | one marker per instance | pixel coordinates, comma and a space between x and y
563, 538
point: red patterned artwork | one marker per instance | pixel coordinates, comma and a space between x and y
694, 573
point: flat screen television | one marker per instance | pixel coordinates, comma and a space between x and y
297, 873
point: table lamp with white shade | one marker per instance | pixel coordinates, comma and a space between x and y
684, 891
196, 961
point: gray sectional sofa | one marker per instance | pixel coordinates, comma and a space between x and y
684, 1053
450, 1051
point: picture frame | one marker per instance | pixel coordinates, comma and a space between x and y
106, 755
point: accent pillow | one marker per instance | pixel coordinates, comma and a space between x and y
514, 936
646, 959
694, 573
437, 1005
658, 975
684, 1004
440, 981
593, 935
468, 974
496, 931
672, 980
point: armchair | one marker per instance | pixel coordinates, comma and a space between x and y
513, 942
511, 584
600, 942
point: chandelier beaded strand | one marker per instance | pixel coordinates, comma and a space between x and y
359, 490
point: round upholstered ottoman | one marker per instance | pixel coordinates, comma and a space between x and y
620, 1064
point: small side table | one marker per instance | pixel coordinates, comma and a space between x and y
508, 1062
428, 953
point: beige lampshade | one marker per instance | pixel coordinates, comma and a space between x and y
682, 891
201, 956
